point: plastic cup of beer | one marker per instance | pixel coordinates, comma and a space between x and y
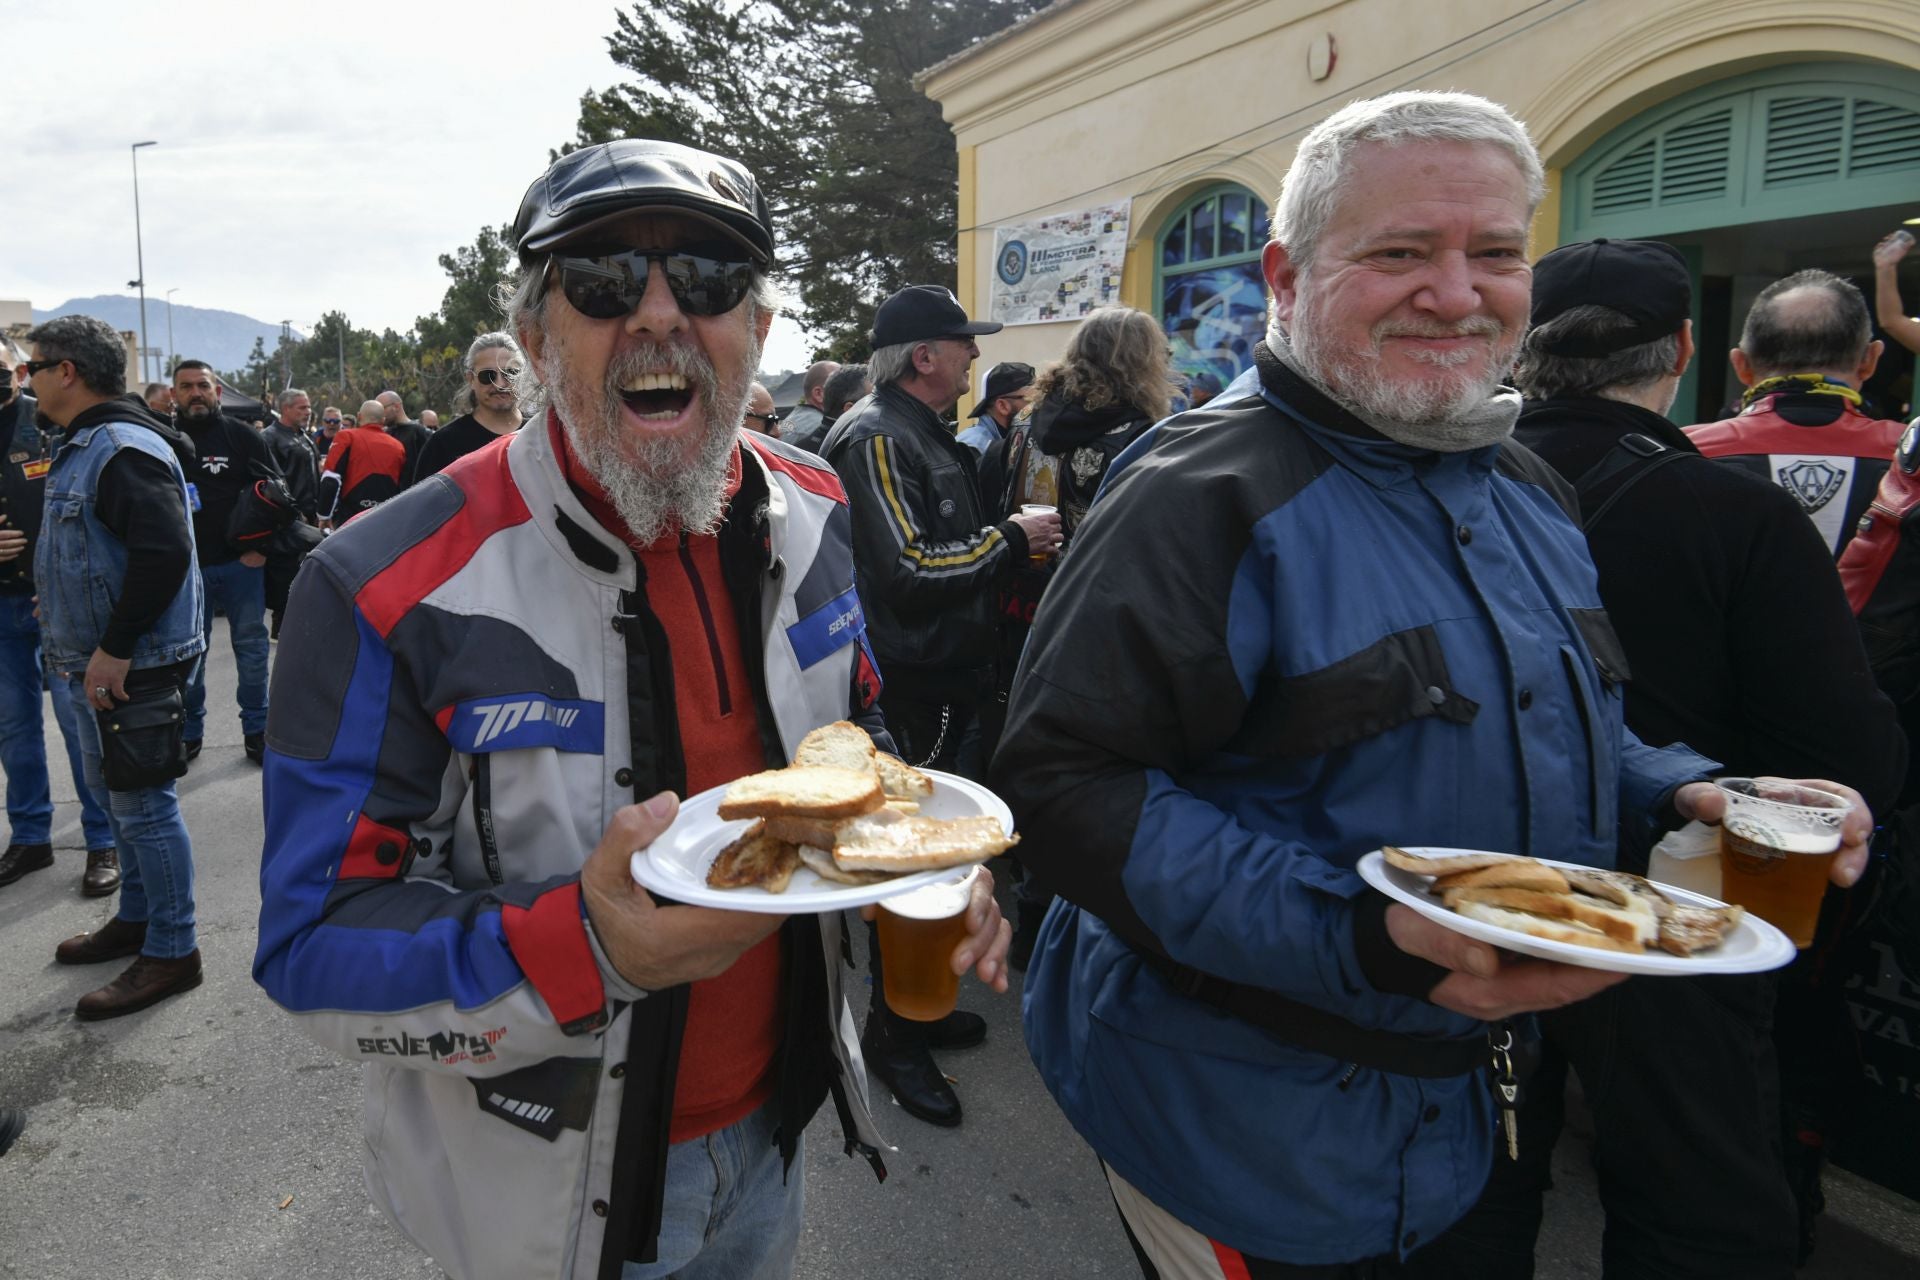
1777, 843
919, 930
1035, 509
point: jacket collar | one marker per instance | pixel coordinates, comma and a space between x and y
1382, 463
1605, 419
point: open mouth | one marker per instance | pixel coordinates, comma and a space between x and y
658, 397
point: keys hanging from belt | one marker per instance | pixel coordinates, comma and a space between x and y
1506, 1086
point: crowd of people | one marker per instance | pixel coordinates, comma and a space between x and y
1435, 569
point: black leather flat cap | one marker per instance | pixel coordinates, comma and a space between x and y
601, 184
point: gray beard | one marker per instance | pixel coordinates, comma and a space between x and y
654, 489
1431, 417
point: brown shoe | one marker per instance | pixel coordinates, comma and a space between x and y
114, 940
103, 872
148, 981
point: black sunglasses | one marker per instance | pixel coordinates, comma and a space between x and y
491, 376
611, 285
332, 422
35, 366
768, 418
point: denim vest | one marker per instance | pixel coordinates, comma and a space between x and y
79, 565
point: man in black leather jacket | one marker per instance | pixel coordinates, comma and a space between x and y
928, 562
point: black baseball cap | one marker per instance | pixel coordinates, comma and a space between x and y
1644, 280
1003, 379
922, 312
596, 185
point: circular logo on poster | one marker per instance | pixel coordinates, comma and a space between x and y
1013, 262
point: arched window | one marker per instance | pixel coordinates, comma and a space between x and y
1212, 300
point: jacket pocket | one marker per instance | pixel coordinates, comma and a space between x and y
1603, 645
1398, 679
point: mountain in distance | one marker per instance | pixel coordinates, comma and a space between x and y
224, 339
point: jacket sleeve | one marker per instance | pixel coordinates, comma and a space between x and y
364, 937
330, 475
898, 561
1127, 685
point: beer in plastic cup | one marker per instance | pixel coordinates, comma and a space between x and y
1777, 843
1037, 509
919, 930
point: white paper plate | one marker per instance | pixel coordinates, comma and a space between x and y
1754, 946
675, 865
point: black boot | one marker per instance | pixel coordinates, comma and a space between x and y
22, 858
896, 1051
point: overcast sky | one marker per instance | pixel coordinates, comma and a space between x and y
310, 157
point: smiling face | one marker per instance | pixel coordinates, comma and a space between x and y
652, 401
1417, 296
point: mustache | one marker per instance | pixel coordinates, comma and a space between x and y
1471, 327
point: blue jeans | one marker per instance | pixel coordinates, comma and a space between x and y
156, 857
23, 735
242, 593
728, 1214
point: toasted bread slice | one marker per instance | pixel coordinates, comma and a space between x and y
1540, 927
821, 863
755, 860
890, 842
1521, 873
901, 780
1446, 864
908, 807
1627, 924
804, 791
842, 744
1685, 930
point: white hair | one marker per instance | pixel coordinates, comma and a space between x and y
1311, 190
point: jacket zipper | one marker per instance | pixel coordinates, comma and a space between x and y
706, 620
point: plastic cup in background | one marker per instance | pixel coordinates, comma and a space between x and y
919, 930
1036, 509
1777, 843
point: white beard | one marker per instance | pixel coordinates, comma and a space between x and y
652, 483
1355, 381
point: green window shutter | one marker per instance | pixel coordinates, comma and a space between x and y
1804, 140
1694, 158
1885, 139
1627, 183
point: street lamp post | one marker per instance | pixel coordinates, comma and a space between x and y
173, 352
140, 255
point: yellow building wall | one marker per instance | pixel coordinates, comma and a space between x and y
1105, 100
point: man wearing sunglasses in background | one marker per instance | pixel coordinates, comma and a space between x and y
762, 415
328, 427
535, 652
493, 365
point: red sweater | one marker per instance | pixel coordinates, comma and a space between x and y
733, 1021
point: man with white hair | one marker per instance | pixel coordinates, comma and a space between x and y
494, 365
505, 677
1331, 611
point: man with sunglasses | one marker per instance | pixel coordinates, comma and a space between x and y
505, 676
762, 414
331, 420
493, 366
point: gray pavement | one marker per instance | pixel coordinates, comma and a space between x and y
205, 1139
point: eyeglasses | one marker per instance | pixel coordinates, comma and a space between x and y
331, 422
491, 376
768, 418
612, 285
33, 367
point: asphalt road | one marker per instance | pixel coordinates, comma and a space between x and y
205, 1139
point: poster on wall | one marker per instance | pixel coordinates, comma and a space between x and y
1059, 267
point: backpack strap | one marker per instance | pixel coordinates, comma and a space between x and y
1632, 458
